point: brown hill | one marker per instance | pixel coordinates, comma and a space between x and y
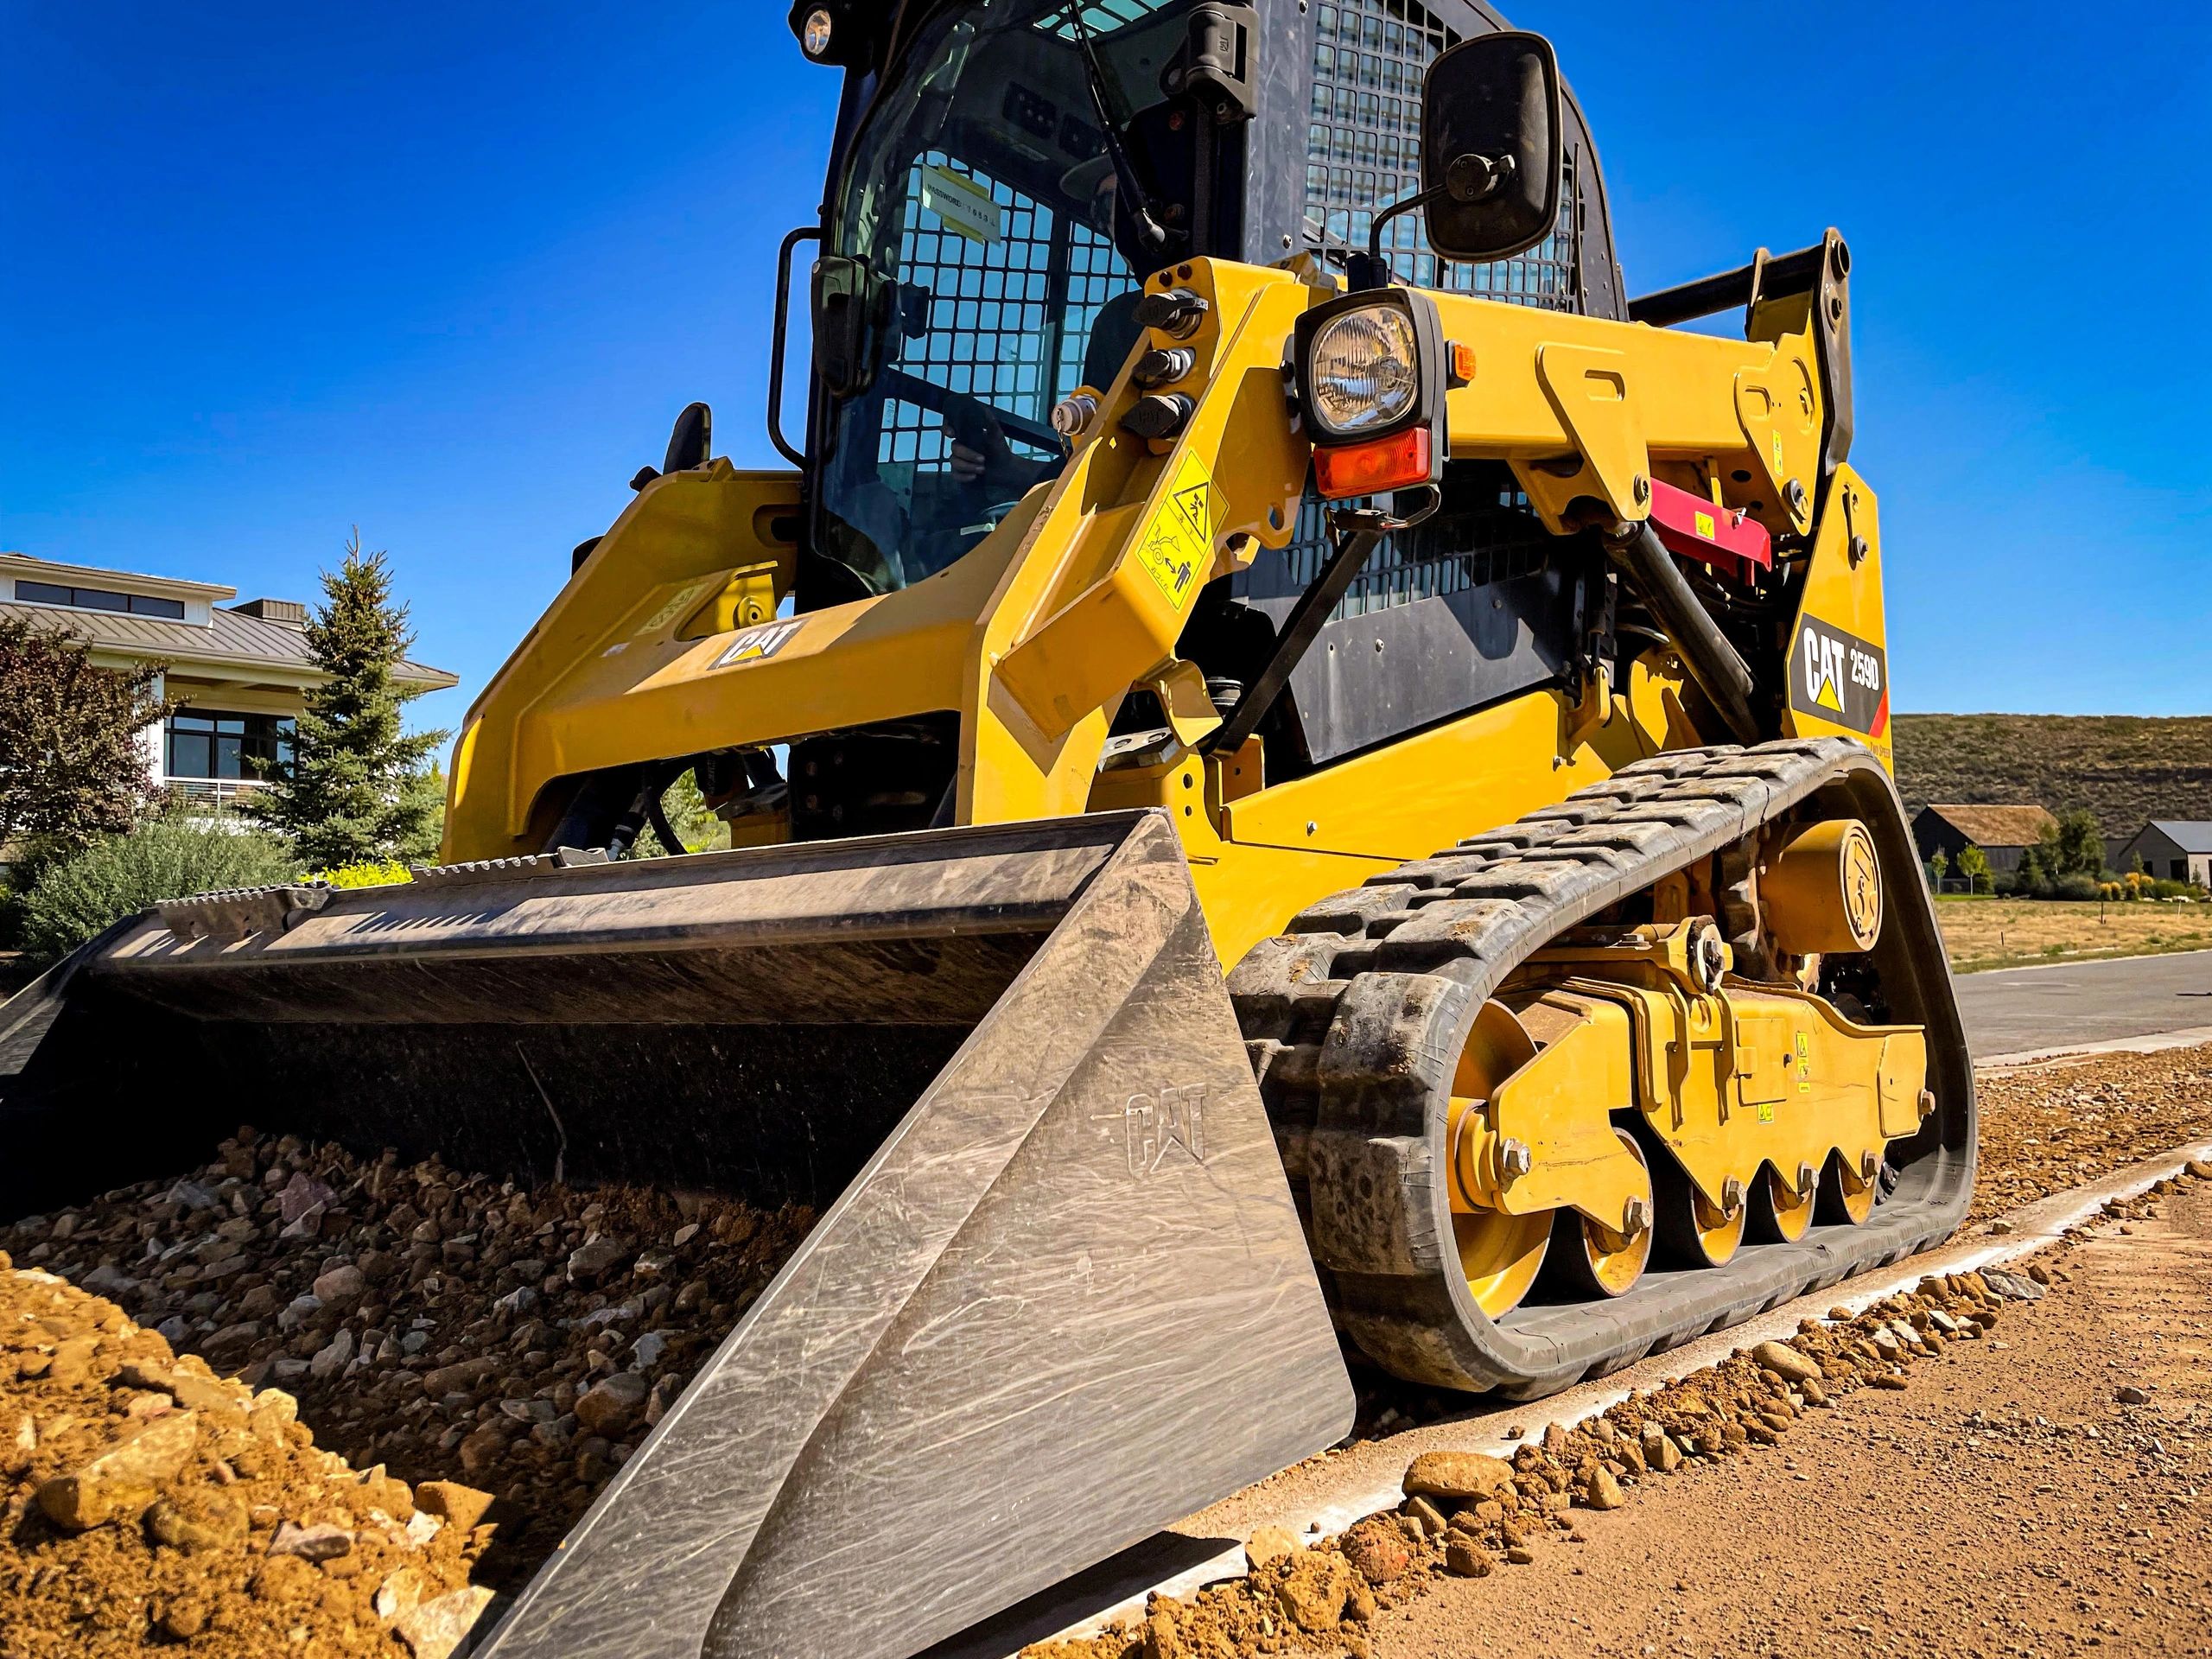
2125, 768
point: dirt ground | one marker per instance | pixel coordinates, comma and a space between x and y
2055, 1124
1980, 933
2007, 1502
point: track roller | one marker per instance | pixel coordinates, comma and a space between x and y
1782, 1211
1846, 1194
1596, 1260
1694, 1232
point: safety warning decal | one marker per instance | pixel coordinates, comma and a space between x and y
1840, 678
759, 644
1177, 546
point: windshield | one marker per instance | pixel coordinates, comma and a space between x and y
974, 242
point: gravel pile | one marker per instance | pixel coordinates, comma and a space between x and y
441, 1324
2053, 1125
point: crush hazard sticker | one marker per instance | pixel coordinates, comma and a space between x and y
759, 644
1840, 678
1177, 546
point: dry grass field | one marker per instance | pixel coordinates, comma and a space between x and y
1982, 933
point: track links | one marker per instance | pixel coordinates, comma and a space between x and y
1354, 1019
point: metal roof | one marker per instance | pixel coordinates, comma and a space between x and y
2190, 835
232, 640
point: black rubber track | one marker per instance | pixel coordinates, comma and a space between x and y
1354, 1021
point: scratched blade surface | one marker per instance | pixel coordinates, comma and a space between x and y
1059, 1255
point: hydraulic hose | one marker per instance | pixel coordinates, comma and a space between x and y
1715, 666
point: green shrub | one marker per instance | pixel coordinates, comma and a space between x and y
78, 897
2074, 884
365, 875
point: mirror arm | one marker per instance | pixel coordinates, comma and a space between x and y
1469, 179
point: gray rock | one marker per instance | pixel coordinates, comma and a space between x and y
522, 1299
646, 1352
595, 1259
333, 1357
2013, 1286
192, 1196
107, 1280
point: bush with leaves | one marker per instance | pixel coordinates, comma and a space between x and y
73, 763
76, 897
389, 873
361, 788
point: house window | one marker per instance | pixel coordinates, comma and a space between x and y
2180, 868
207, 743
98, 598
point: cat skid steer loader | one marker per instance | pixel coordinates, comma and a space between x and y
1308, 788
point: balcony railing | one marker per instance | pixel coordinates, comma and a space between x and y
211, 796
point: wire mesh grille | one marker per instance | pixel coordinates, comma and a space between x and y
1006, 321
1363, 153
1496, 538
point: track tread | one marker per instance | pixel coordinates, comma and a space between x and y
1355, 1017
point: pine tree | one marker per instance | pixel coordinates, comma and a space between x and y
361, 788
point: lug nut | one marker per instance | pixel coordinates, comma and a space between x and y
1870, 1166
1158, 415
1794, 489
1636, 1216
1732, 1195
1177, 312
1805, 1179
1514, 1159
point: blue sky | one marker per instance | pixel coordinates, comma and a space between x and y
447, 273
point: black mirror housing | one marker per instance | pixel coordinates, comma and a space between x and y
1493, 146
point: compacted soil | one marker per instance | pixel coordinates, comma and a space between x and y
2049, 1492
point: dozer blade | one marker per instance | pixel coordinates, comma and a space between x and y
1059, 1295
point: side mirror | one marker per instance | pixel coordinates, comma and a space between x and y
1492, 146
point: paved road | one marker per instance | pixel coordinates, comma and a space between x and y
2018, 1009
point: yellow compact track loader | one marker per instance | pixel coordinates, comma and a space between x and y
1306, 781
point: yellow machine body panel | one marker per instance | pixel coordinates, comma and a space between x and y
657, 648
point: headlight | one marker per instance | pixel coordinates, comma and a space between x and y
1364, 370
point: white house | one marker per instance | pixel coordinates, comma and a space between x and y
2174, 851
237, 673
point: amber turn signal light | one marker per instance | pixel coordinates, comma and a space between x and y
1397, 462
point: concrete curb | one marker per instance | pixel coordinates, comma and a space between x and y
2189, 1037
1331, 1503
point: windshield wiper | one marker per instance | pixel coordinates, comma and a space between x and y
1125, 176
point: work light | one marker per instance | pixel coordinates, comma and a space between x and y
1365, 368
1370, 375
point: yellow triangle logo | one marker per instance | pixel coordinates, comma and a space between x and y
1827, 699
